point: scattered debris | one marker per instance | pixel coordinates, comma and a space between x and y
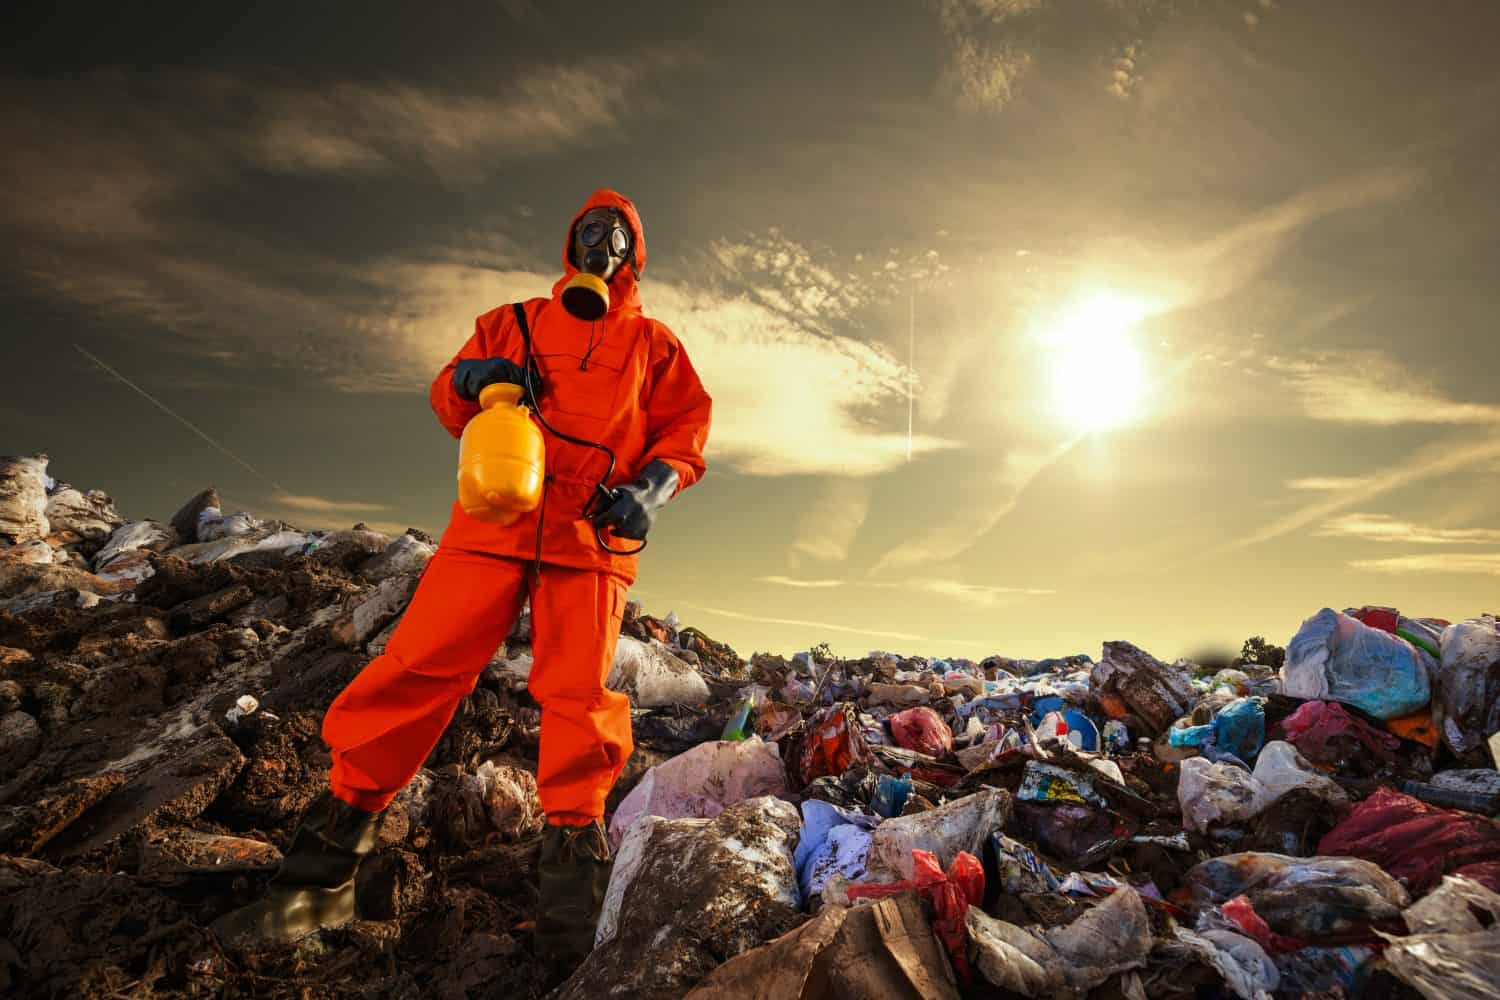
807, 827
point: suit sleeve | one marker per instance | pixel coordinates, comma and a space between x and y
492, 333
678, 414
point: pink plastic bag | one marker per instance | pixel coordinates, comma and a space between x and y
923, 730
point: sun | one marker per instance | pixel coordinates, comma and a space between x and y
1098, 371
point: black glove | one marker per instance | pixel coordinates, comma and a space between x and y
473, 374
636, 506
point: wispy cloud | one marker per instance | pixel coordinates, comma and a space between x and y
1439, 460
1371, 388
323, 505
973, 594
1385, 528
1484, 563
788, 581
1327, 484
799, 623
828, 526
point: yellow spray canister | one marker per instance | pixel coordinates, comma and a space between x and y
500, 458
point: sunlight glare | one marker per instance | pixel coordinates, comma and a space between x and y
1098, 372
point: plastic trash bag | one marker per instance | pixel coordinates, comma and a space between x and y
701, 782
1238, 729
1280, 769
833, 743
1468, 684
1247, 970
891, 796
951, 895
923, 730
1216, 793
1308, 898
1326, 733
1110, 938
1451, 906
1334, 656
833, 841
1417, 842
653, 676
958, 826
1450, 953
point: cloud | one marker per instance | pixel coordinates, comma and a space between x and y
1327, 484
1371, 388
788, 400
1385, 528
323, 505
985, 51
826, 626
787, 581
1430, 463
828, 526
973, 594
976, 595
1485, 563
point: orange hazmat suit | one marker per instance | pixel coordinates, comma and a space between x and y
623, 381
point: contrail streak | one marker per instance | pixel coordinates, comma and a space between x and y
181, 420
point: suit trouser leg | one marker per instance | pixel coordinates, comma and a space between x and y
575, 622
383, 726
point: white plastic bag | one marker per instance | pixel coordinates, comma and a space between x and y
700, 782
1216, 793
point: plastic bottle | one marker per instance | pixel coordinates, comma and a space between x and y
500, 458
741, 724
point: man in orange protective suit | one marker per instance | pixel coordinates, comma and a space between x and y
621, 380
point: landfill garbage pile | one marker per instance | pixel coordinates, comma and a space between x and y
1319, 825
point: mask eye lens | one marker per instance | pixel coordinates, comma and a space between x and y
591, 234
619, 242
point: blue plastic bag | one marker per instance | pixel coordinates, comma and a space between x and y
1336, 657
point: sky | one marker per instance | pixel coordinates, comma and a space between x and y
1029, 324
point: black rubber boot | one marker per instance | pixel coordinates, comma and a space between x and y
314, 887
573, 872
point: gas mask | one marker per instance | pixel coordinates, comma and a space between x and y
601, 244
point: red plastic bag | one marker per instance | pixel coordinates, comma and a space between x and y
1316, 724
834, 743
1243, 914
923, 730
951, 895
1417, 842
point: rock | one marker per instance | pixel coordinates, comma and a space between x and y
25, 829
20, 739
175, 787
185, 521
177, 853
37, 552
200, 611
23, 498
92, 515
407, 554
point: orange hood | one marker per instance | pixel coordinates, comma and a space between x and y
624, 291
